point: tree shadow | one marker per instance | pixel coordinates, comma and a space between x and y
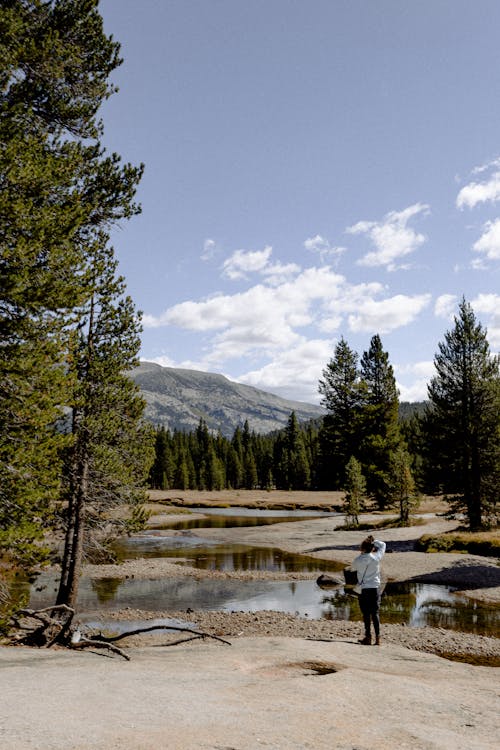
331, 547
408, 545
462, 576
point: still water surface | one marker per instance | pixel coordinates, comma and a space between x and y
411, 603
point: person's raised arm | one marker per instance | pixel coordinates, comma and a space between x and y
380, 548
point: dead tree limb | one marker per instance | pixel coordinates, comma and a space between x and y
56, 626
80, 641
197, 633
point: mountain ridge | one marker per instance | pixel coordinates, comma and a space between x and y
178, 398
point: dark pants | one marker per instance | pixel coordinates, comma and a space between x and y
369, 601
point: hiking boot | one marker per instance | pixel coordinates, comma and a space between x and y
377, 640
366, 641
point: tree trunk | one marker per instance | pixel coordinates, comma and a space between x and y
73, 546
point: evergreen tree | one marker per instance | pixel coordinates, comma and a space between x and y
401, 485
339, 433
181, 474
249, 470
379, 420
111, 450
292, 465
355, 491
162, 471
234, 470
68, 332
57, 186
463, 424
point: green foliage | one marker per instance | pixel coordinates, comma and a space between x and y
362, 419
355, 491
292, 471
339, 435
201, 460
138, 519
401, 485
70, 416
462, 425
380, 435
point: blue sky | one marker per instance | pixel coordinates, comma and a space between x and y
313, 169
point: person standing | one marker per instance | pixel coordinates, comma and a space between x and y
367, 567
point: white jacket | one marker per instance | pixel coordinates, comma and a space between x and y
367, 566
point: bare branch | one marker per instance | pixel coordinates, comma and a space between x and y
198, 633
90, 642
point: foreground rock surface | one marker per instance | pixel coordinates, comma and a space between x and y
280, 693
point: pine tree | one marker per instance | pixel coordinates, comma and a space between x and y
355, 491
68, 332
55, 183
401, 485
379, 420
111, 451
162, 471
291, 458
339, 433
463, 425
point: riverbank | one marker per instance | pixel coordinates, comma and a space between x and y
475, 576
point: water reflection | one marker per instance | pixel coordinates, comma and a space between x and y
411, 603
207, 555
219, 518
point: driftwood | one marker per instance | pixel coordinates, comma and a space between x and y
53, 626
195, 633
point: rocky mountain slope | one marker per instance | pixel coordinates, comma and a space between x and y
178, 398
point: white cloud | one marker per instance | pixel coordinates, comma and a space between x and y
285, 323
299, 367
445, 306
489, 242
412, 380
424, 369
383, 316
392, 237
278, 273
487, 166
242, 262
489, 306
266, 315
485, 191
320, 245
417, 391
209, 249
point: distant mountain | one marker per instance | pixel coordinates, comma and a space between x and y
177, 399
408, 409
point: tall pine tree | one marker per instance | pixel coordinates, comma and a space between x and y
54, 65
463, 424
62, 305
379, 423
111, 450
342, 397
